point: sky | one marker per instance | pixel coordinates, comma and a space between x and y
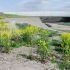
34, 5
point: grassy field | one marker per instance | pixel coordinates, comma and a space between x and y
10, 16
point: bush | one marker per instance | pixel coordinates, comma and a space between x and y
25, 34
27, 38
28, 33
65, 37
43, 49
5, 38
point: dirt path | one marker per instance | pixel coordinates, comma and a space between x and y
14, 61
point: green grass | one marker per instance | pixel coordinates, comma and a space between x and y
10, 16
13, 16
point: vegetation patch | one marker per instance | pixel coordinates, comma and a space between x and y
41, 39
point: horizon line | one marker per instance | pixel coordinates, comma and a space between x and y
48, 13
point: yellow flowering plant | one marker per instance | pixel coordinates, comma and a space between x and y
65, 37
43, 49
5, 38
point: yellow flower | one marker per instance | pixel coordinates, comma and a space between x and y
5, 34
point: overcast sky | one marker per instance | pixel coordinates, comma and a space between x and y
34, 5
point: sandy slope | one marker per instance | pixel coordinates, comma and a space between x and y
37, 22
14, 61
29, 20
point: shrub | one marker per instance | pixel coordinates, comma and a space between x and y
65, 37
5, 40
4, 25
28, 33
31, 29
27, 38
43, 49
44, 32
23, 34
5, 36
